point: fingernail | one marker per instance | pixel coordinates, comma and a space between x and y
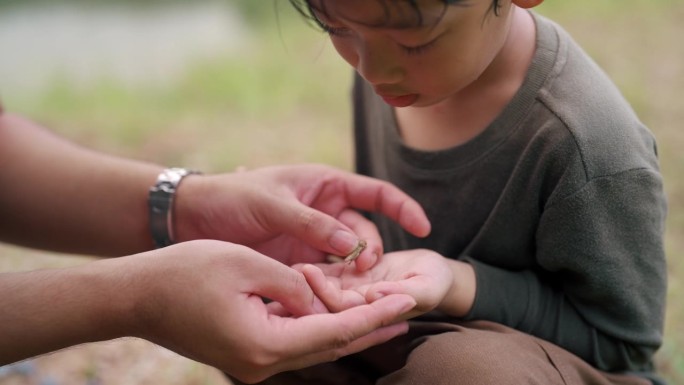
343, 241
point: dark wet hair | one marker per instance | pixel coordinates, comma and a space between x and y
305, 8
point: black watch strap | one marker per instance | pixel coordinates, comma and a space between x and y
160, 203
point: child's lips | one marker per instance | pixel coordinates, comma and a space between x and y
400, 100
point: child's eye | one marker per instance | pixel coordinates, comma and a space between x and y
333, 31
419, 49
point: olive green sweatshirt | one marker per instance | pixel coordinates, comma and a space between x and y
558, 205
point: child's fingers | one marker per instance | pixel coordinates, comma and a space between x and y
330, 293
420, 287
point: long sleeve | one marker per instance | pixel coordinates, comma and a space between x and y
559, 206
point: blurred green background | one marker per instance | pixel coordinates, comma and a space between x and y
214, 85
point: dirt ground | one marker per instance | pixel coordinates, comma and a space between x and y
126, 361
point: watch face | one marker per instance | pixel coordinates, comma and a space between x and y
172, 175
168, 187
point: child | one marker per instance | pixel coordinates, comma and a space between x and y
546, 263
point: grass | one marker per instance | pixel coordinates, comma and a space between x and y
285, 100
235, 102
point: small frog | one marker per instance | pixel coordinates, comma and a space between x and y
352, 256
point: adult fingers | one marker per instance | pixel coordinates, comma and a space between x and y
319, 230
277, 308
367, 231
373, 338
374, 195
286, 286
323, 332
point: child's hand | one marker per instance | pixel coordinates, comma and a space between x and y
422, 274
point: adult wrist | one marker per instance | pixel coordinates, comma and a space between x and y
161, 199
104, 320
134, 308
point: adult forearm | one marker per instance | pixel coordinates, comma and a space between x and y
59, 196
47, 310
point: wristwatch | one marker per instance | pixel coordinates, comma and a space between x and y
160, 203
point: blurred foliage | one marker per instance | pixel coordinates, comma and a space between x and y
275, 79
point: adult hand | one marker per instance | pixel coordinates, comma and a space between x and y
267, 208
423, 274
294, 213
208, 306
202, 299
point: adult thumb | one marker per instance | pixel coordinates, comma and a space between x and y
314, 227
287, 286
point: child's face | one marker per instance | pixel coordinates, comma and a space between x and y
424, 64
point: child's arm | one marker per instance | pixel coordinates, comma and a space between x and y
601, 250
606, 305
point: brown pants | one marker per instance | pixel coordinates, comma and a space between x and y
472, 353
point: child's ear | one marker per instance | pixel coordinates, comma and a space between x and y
527, 3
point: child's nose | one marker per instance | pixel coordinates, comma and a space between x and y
379, 68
